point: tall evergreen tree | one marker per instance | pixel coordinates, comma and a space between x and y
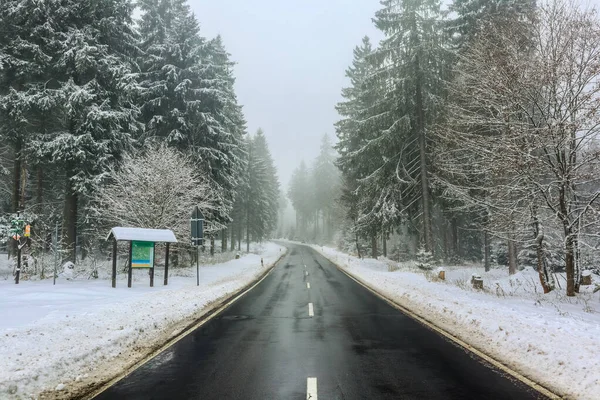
471, 16
29, 100
411, 62
326, 185
299, 193
83, 112
270, 189
360, 149
189, 97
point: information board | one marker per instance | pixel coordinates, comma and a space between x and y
142, 254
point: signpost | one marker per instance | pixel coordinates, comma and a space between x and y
19, 229
197, 223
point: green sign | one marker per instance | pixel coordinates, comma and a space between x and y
142, 254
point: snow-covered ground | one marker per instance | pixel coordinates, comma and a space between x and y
81, 332
551, 339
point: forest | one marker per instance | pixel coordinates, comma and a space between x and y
114, 113
469, 134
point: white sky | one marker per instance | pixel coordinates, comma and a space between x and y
291, 55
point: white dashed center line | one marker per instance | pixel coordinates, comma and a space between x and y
311, 312
306, 272
311, 389
308, 285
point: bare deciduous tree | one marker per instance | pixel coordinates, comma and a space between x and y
519, 141
157, 190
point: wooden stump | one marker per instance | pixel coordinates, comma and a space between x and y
477, 283
442, 274
586, 278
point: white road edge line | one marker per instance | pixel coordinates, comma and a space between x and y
308, 285
311, 312
311, 388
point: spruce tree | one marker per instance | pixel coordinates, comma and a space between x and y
411, 61
91, 70
326, 184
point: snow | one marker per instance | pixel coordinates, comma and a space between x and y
551, 339
144, 235
79, 332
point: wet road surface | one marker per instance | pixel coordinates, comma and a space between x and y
308, 330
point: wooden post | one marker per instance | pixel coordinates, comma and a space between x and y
586, 278
130, 270
442, 274
477, 283
153, 262
18, 263
167, 265
114, 264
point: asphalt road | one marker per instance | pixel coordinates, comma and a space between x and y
354, 346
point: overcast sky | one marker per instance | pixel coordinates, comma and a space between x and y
291, 57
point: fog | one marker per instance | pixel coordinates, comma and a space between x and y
291, 57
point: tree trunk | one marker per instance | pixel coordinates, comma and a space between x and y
384, 243
546, 277
16, 194
374, 246
223, 240
447, 241
570, 265
247, 229
232, 238
455, 238
486, 250
420, 125
512, 257
23, 185
356, 239
40, 188
70, 221
212, 245
16, 190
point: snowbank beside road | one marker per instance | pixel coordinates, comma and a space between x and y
551, 340
79, 333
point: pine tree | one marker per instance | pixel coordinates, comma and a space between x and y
172, 46
411, 61
220, 126
326, 184
28, 99
94, 77
471, 16
270, 189
189, 97
363, 112
299, 193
